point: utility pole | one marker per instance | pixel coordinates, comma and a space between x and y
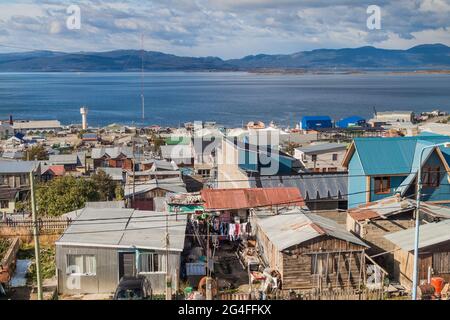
134, 175
142, 79
168, 277
208, 271
37, 249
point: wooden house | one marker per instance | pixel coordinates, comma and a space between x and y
310, 252
434, 252
117, 157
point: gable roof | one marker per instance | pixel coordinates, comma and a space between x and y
57, 170
113, 153
125, 228
396, 155
63, 159
296, 227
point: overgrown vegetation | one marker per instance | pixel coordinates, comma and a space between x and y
4, 245
48, 265
66, 194
36, 153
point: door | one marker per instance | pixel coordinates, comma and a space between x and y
127, 264
425, 261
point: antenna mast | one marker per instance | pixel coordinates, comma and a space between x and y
142, 78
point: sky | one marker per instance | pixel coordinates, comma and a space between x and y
222, 28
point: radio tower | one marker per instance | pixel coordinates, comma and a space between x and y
142, 79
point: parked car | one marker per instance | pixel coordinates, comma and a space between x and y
133, 288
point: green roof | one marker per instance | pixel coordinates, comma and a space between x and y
178, 140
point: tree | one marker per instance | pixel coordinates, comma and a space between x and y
36, 153
104, 185
119, 193
290, 148
64, 194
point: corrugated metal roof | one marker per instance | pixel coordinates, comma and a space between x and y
395, 155
223, 199
323, 147
125, 228
311, 186
115, 173
430, 234
18, 166
39, 124
381, 209
63, 159
175, 185
296, 227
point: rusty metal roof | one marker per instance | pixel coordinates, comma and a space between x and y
381, 208
229, 199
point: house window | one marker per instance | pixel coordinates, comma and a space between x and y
81, 264
151, 262
431, 177
4, 204
382, 185
314, 157
335, 157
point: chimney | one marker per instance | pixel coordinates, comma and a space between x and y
11, 120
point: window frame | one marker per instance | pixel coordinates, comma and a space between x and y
84, 265
159, 259
382, 191
430, 173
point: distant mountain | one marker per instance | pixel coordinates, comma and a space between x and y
422, 57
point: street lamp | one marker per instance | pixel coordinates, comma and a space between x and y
416, 240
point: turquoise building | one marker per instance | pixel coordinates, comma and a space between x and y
381, 167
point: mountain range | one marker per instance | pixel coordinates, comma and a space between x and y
422, 57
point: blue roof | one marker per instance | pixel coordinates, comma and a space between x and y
350, 120
397, 155
307, 118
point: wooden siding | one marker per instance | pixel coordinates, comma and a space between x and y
295, 264
436, 257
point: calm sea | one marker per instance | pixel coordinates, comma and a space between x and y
228, 98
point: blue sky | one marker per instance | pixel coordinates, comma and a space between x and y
224, 28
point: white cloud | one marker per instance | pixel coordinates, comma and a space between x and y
226, 28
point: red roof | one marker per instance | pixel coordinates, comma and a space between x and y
223, 199
58, 170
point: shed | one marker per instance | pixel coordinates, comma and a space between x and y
310, 251
103, 245
434, 252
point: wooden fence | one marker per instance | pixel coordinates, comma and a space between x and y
335, 294
46, 224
